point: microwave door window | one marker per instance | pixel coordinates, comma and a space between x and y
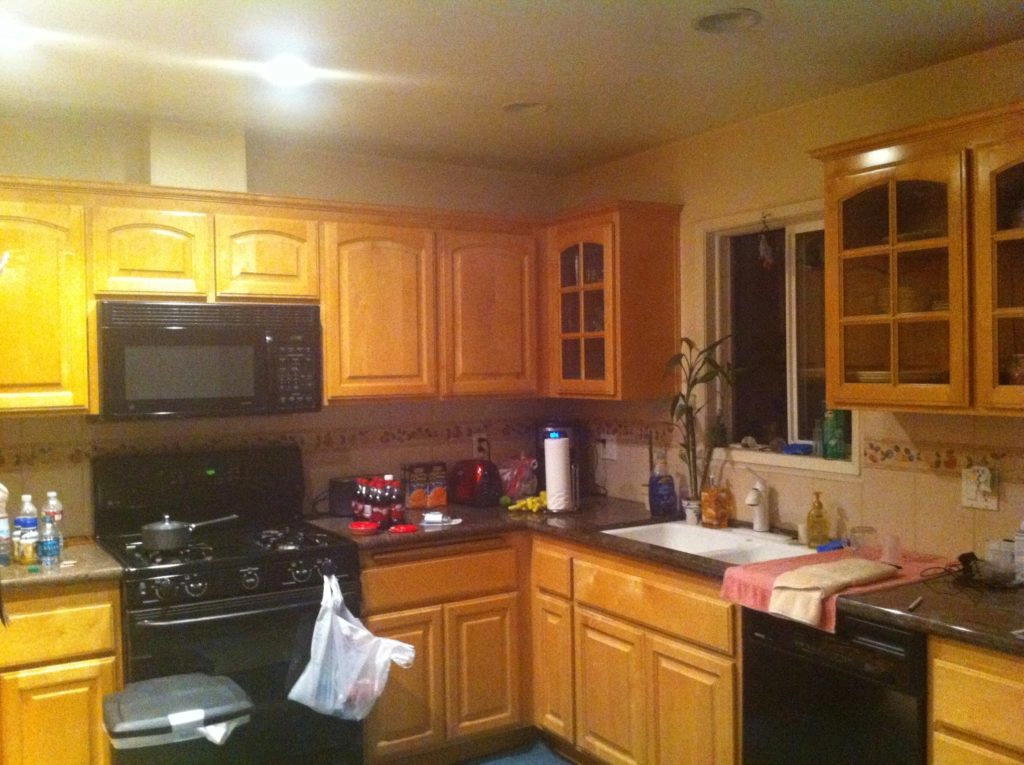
213, 377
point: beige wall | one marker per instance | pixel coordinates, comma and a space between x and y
763, 164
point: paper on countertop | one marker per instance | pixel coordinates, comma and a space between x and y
557, 473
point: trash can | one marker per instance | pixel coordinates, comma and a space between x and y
178, 719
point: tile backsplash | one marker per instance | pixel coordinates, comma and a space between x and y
909, 482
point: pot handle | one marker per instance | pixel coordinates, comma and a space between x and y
225, 519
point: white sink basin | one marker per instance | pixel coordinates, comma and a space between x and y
733, 545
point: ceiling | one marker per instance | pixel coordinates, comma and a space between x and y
428, 79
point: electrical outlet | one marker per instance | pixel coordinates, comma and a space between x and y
481, 446
978, 488
610, 448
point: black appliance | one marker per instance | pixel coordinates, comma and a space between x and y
241, 599
193, 359
856, 697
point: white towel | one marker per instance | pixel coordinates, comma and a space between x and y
798, 594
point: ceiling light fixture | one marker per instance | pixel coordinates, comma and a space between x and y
727, 21
15, 36
288, 72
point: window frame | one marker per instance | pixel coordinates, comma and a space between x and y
712, 242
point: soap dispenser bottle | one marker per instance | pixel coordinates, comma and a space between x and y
662, 488
817, 523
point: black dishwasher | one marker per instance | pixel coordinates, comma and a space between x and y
856, 697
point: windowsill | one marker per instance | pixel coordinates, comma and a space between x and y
737, 455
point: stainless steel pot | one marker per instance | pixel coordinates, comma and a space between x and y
174, 535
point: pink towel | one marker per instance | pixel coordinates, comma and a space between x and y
751, 585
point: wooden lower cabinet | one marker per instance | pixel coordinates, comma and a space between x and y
610, 704
653, 656
553, 665
409, 716
976, 697
53, 713
59, 656
464, 681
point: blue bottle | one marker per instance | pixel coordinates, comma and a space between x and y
661, 488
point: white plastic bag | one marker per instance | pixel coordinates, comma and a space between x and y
348, 666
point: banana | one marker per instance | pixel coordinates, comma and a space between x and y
534, 504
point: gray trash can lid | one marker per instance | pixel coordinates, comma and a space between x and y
166, 704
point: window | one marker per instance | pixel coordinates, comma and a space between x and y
766, 290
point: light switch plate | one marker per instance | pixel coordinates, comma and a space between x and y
610, 448
978, 488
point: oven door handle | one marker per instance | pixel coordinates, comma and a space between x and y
221, 617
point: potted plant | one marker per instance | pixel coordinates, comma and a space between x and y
694, 367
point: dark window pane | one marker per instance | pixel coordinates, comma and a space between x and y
593, 358
1010, 353
570, 264
810, 330
1009, 275
571, 312
921, 210
1010, 198
866, 218
866, 285
922, 280
593, 311
758, 287
571, 360
924, 352
866, 349
593, 263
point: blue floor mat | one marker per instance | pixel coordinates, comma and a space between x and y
535, 754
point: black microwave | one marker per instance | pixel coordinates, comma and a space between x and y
166, 359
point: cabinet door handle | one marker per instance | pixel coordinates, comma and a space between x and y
3, 261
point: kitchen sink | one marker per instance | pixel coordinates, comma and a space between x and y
732, 545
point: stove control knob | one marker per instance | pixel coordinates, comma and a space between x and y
300, 571
165, 589
196, 587
250, 578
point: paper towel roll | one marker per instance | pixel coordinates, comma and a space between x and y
557, 474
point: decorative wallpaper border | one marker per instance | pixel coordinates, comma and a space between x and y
935, 458
335, 439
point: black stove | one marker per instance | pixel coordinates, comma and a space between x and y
241, 599
268, 548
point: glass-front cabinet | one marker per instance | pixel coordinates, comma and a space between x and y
610, 286
999, 274
898, 273
585, 310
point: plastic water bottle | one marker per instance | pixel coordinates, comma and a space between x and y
48, 547
5, 529
55, 511
26, 532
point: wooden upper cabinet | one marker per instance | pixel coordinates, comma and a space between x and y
610, 279
266, 257
488, 313
999, 275
901, 272
151, 252
43, 294
896, 269
379, 310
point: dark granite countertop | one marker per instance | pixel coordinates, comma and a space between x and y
948, 607
582, 526
984, 618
